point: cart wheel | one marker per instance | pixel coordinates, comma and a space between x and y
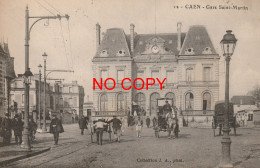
110, 136
91, 135
176, 131
100, 139
177, 134
156, 131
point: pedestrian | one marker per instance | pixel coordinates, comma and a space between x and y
139, 126
56, 128
135, 113
166, 108
6, 129
82, 124
17, 125
99, 127
32, 128
148, 122
117, 124
154, 121
171, 124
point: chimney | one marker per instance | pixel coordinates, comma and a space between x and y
132, 31
97, 35
179, 35
88, 99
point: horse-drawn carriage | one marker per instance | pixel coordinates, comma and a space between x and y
218, 118
166, 119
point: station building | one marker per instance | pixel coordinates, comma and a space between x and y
187, 59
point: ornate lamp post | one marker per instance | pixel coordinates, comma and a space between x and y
39, 100
27, 81
228, 44
28, 29
44, 55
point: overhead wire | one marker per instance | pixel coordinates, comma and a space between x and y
44, 7
64, 44
72, 59
71, 55
52, 7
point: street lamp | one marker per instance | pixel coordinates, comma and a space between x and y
228, 44
44, 55
27, 81
28, 29
39, 100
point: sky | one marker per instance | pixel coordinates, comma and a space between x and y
71, 45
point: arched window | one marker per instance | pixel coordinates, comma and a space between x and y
171, 96
140, 100
206, 101
103, 102
189, 101
120, 102
153, 103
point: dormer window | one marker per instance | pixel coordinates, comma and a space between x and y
104, 53
120, 53
189, 51
207, 50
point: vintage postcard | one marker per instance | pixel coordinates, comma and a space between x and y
129, 83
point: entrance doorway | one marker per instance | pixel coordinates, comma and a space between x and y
153, 103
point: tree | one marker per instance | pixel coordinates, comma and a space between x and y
255, 92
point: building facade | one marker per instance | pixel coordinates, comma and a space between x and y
88, 108
7, 73
71, 99
17, 96
188, 61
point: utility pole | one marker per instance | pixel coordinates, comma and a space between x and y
26, 142
39, 101
44, 102
45, 78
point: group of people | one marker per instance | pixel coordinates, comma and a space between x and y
101, 124
16, 124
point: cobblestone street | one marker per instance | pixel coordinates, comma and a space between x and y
194, 148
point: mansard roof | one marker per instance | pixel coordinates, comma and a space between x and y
1, 49
114, 40
171, 41
198, 40
195, 42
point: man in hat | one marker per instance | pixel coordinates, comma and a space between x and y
167, 108
99, 125
117, 124
171, 123
56, 128
32, 128
139, 126
17, 125
82, 124
6, 128
148, 121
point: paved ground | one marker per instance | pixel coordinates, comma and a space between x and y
194, 148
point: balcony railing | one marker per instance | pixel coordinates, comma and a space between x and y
110, 113
198, 83
197, 112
